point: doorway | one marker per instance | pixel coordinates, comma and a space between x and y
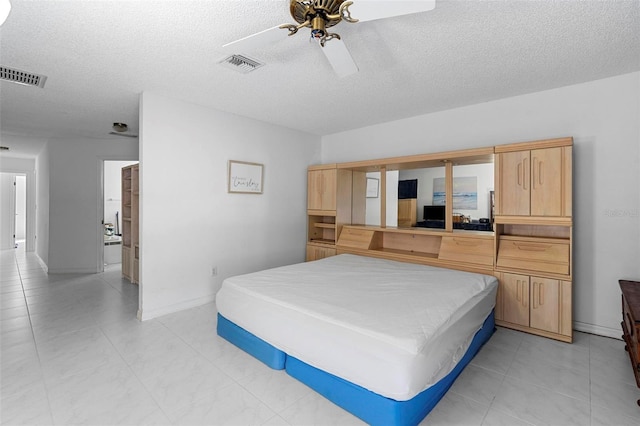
110, 241
13, 213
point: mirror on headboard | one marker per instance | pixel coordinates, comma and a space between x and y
472, 186
415, 186
374, 196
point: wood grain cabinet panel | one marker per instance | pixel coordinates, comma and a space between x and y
321, 189
545, 308
465, 249
534, 182
536, 304
318, 252
515, 299
546, 182
534, 254
515, 186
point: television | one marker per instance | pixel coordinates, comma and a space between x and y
407, 189
433, 213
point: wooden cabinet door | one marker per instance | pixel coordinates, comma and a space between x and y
314, 190
545, 304
329, 186
515, 298
514, 184
546, 182
321, 189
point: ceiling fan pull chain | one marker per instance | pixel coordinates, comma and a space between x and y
346, 13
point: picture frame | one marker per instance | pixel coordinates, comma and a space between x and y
373, 186
244, 177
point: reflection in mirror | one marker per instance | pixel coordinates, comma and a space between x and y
472, 186
373, 202
426, 194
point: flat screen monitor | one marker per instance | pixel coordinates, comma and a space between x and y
407, 189
434, 213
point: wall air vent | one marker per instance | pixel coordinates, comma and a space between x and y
22, 77
241, 63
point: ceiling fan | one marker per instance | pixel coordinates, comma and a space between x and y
318, 15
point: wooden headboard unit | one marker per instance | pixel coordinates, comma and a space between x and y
529, 250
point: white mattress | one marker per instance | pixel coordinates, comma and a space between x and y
393, 328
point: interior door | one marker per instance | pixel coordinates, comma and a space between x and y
7, 211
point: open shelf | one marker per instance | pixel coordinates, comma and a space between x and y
324, 225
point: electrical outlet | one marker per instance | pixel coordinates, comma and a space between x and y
214, 271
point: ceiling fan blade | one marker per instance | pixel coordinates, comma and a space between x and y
256, 41
339, 57
369, 10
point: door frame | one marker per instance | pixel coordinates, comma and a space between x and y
100, 218
30, 210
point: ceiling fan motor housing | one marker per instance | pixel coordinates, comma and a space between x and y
320, 14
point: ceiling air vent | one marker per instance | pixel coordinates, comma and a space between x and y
22, 77
241, 63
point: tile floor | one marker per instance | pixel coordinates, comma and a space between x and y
73, 353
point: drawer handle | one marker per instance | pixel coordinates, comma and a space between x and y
631, 327
531, 247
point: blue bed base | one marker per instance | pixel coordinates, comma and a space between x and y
368, 406
251, 344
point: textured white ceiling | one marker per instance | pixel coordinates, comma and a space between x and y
100, 55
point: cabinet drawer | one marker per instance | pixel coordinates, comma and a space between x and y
631, 327
471, 250
534, 254
356, 238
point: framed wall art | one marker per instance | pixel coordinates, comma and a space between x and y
244, 177
372, 187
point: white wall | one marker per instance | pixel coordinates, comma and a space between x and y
42, 205
75, 179
190, 223
603, 118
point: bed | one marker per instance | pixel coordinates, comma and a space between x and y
382, 339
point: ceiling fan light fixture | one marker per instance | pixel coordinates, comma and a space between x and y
318, 16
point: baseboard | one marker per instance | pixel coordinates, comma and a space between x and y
43, 265
72, 271
147, 314
614, 333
